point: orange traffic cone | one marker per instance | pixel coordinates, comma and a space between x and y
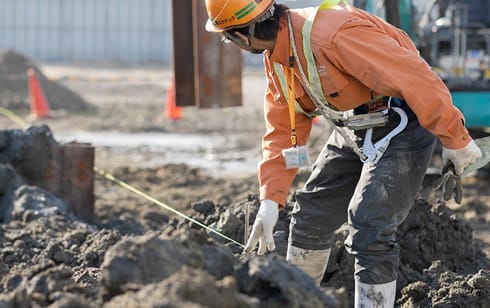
171, 110
39, 103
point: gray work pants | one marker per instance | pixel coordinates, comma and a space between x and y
374, 199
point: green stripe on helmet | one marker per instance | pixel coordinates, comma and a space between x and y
245, 10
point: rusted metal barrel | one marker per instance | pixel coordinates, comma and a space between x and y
77, 178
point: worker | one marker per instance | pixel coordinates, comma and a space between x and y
387, 109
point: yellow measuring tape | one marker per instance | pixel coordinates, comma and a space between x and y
10, 115
161, 204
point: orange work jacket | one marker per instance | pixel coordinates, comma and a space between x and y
356, 54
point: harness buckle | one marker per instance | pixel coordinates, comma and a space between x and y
374, 152
367, 120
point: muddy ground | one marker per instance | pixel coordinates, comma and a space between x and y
138, 254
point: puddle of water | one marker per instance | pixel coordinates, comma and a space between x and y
129, 140
200, 151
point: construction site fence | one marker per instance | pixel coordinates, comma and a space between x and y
95, 31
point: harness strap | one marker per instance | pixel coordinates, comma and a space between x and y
328, 4
334, 115
374, 151
329, 114
312, 86
313, 75
284, 87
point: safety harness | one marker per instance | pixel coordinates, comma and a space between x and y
369, 152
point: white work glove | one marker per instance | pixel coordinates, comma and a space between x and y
263, 228
455, 161
461, 158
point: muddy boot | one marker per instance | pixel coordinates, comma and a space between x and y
312, 262
375, 295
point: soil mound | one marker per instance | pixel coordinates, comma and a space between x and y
14, 88
134, 255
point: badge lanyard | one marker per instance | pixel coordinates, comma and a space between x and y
296, 156
291, 97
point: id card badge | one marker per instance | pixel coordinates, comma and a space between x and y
296, 157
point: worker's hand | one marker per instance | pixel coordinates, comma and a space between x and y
263, 228
450, 184
455, 161
461, 158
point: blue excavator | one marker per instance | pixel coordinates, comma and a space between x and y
453, 36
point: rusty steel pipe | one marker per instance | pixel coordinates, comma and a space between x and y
207, 73
77, 178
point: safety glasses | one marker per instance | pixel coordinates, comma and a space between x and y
229, 37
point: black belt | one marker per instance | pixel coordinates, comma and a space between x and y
379, 105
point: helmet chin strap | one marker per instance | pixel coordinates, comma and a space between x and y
251, 32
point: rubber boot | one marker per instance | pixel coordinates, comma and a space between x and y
375, 295
312, 262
